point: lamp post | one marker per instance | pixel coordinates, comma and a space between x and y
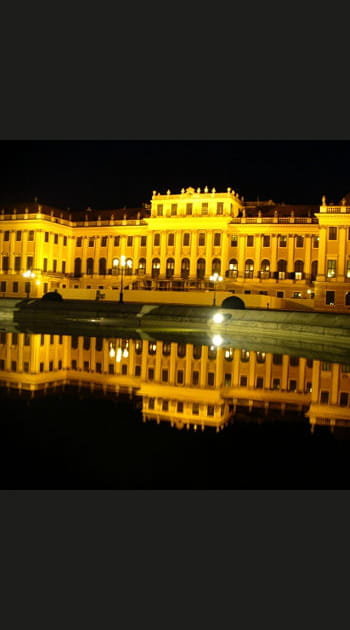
122, 264
215, 278
28, 274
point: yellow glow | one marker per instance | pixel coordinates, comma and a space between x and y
218, 318
217, 340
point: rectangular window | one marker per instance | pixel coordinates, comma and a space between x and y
129, 241
18, 235
294, 361
325, 366
13, 366
243, 381
188, 208
46, 237
283, 241
156, 241
160, 210
332, 234
116, 241
150, 374
173, 209
205, 207
315, 242
250, 240
63, 266
55, 239
277, 359
211, 379
343, 399
2, 364
99, 368
220, 207
210, 410
165, 376
17, 263
324, 397
137, 370
91, 242
180, 407
6, 235
330, 298
5, 263
180, 377
143, 241
64, 241
195, 409
165, 405
292, 385
171, 240
217, 239
299, 242
15, 287
41, 366
29, 262
186, 239
86, 366
266, 240
104, 241
201, 239
276, 383
124, 369
44, 264
54, 266
280, 294
111, 368
228, 379
151, 402
331, 268
234, 240
348, 268
60, 365
195, 377
14, 339
31, 235
259, 382
3, 286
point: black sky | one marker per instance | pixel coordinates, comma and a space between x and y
117, 173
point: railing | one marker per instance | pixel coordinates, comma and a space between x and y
271, 220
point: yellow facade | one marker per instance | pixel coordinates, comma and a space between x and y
293, 253
186, 385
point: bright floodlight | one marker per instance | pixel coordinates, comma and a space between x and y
217, 340
218, 318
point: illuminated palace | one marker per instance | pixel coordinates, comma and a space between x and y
186, 385
277, 255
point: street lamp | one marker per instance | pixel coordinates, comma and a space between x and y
121, 264
28, 274
215, 278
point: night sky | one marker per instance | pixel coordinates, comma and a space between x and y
117, 173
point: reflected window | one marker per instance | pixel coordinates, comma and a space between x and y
211, 379
197, 352
324, 397
87, 343
277, 359
343, 399
228, 380
180, 407
243, 381
137, 370
292, 385
195, 409
180, 377
152, 347
181, 350
138, 346
245, 354
150, 374
260, 357
210, 410
165, 405
151, 403
276, 383
259, 382
166, 348
195, 377
165, 376
294, 361
228, 354
212, 350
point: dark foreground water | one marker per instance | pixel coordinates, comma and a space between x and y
76, 440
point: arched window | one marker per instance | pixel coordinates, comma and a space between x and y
90, 266
128, 267
102, 266
314, 268
170, 266
77, 267
155, 267
200, 268
216, 266
299, 269
265, 269
181, 350
282, 269
197, 352
232, 268
347, 298
185, 268
142, 266
249, 268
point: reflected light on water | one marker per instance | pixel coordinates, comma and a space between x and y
217, 340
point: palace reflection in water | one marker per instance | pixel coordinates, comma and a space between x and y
187, 385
